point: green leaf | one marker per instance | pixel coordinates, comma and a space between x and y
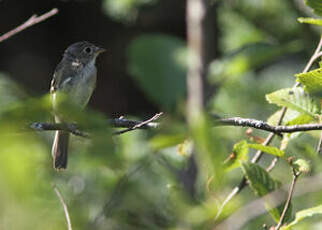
262, 183
268, 149
301, 215
291, 117
312, 80
316, 5
158, 64
240, 153
302, 166
313, 21
295, 99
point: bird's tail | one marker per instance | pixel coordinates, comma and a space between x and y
60, 150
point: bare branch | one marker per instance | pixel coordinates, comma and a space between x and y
257, 124
72, 128
140, 125
116, 123
60, 197
30, 22
148, 124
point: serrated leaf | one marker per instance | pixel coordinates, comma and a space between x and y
312, 80
313, 21
158, 64
291, 117
259, 180
268, 149
300, 120
239, 153
301, 215
262, 183
295, 99
316, 5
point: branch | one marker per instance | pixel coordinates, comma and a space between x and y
60, 197
72, 128
116, 123
30, 22
131, 125
257, 124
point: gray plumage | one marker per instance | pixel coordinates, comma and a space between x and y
75, 77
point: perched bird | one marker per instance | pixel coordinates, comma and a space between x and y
75, 77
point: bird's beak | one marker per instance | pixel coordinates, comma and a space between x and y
100, 50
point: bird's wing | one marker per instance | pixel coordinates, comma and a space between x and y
57, 78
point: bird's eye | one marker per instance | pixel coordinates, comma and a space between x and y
88, 50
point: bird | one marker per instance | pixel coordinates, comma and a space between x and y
75, 78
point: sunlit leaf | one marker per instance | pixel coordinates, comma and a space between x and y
295, 99
304, 214
312, 80
239, 153
314, 21
268, 149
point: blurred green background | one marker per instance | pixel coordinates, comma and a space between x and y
143, 179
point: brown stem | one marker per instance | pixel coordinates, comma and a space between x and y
30, 22
289, 198
61, 199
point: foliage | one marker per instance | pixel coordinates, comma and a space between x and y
176, 176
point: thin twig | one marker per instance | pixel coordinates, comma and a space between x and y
60, 197
139, 125
289, 198
319, 146
125, 123
30, 22
272, 165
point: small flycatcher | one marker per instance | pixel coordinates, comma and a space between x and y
75, 76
